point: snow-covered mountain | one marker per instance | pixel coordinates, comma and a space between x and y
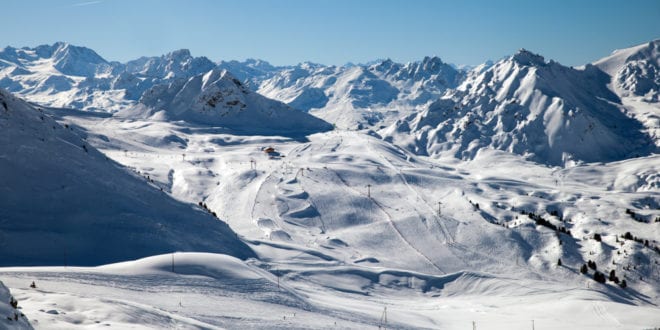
553, 114
361, 95
63, 57
635, 78
251, 71
64, 75
217, 98
344, 228
524, 105
68, 76
179, 63
63, 202
635, 70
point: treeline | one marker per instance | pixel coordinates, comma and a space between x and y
546, 223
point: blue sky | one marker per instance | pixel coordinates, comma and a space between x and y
573, 32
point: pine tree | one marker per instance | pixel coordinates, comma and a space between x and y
584, 269
592, 265
559, 262
599, 277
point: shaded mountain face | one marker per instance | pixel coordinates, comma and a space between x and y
66, 203
218, 98
553, 114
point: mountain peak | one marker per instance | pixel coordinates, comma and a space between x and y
525, 57
179, 54
432, 59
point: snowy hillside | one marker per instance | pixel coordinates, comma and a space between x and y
635, 78
350, 224
63, 202
11, 317
547, 112
520, 194
217, 98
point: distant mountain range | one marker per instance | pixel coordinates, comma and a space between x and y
550, 113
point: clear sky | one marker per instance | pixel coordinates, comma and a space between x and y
572, 32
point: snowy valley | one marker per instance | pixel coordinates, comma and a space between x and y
175, 192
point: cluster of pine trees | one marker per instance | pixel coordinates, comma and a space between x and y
600, 277
205, 207
543, 222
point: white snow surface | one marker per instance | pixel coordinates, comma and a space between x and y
10, 317
635, 78
350, 225
547, 112
64, 202
426, 221
217, 98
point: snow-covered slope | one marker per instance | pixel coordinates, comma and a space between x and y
635, 78
342, 223
207, 291
635, 70
551, 113
217, 98
11, 314
351, 223
63, 202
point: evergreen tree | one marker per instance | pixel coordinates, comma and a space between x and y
584, 269
599, 277
592, 265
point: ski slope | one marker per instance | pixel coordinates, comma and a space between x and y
350, 223
209, 206
210, 291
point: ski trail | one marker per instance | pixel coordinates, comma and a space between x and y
602, 312
449, 239
392, 224
311, 202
